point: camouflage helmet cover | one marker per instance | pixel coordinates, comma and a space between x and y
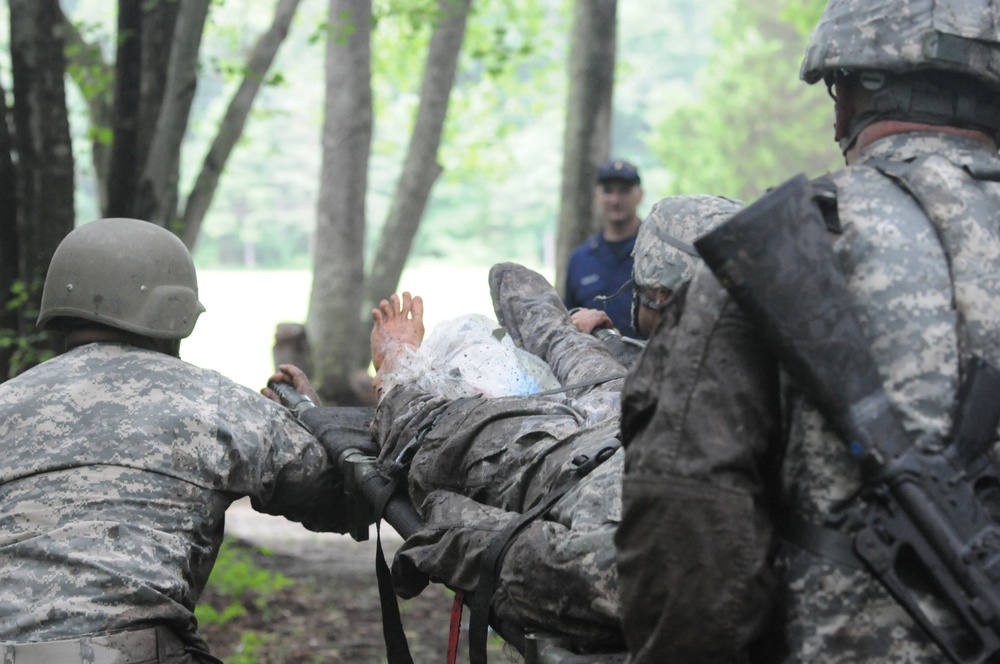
664, 253
124, 273
906, 35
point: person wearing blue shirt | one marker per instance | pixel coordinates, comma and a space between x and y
599, 271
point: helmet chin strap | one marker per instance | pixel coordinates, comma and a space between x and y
924, 97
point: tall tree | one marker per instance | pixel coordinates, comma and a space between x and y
342, 295
231, 128
333, 322
421, 168
44, 177
587, 137
155, 76
9, 316
139, 110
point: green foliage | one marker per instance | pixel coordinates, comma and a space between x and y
26, 348
241, 581
688, 123
250, 645
754, 123
802, 14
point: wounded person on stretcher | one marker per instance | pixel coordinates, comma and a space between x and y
480, 462
484, 460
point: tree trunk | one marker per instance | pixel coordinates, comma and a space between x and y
125, 165
156, 198
8, 237
90, 72
159, 38
421, 168
587, 138
231, 128
338, 271
44, 153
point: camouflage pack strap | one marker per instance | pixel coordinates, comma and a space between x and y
482, 600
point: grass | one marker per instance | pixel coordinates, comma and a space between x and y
235, 334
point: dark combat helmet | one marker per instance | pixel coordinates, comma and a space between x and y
932, 61
124, 273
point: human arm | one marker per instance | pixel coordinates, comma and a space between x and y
696, 530
270, 457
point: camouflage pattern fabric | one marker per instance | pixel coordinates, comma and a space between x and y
119, 464
720, 445
484, 461
663, 254
906, 35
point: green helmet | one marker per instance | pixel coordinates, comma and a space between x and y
124, 273
899, 36
664, 255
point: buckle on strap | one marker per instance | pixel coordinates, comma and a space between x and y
125, 647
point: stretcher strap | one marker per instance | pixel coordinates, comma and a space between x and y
397, 649
489, 573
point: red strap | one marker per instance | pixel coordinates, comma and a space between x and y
455, 629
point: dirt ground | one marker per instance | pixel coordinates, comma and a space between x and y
332, 612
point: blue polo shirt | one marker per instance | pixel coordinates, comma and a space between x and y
598, 267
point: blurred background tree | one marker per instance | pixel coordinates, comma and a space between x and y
706, 98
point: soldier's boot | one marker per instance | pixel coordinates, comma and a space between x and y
531, 311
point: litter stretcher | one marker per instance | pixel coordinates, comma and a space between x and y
373, 496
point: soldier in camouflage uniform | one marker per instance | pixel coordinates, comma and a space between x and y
662, 261
120, 461
483, 462
738, 497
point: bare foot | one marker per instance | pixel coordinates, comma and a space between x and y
398, 325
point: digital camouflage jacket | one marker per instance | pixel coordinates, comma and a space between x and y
118, 466
722, 451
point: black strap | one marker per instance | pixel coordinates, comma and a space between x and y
489, 572
575, 386
396, 646
821, 541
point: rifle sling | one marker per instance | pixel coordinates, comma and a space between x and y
827, 543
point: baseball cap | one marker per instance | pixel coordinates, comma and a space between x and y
618, 169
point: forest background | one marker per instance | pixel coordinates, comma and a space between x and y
706, 100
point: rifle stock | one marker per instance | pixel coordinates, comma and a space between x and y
930, 536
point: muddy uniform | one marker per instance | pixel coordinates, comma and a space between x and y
484, 461
118, 466
722, 450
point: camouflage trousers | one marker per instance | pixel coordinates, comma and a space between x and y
486, 461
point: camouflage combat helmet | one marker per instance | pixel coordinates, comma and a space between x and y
664, 253
124, 273
934, 61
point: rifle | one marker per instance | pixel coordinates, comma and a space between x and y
931, 533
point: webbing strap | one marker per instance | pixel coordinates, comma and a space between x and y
575, 386
833, 545
397, 649
489, 572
